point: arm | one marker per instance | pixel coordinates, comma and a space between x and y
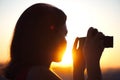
89, 54
94, 71
93, 48
78, 62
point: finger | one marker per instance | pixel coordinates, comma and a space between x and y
99, 36
81, 42
75, 44
91, 32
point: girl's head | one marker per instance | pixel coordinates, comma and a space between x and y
39, 35
39, 38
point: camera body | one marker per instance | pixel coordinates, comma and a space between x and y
108, 41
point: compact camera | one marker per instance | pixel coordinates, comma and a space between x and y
108, 41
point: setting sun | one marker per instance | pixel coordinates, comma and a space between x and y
67, 58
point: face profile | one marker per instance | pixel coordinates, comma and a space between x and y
39, 39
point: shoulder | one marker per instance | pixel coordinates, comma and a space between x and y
41, 73
3, 78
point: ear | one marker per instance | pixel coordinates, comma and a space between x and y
52, 27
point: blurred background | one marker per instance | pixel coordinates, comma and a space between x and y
81, 14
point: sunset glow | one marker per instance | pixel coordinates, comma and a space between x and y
81, 15
67, 58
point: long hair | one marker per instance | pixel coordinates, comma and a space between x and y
32, 36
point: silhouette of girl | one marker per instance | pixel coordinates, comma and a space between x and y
39, 39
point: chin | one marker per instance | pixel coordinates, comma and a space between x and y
57, 60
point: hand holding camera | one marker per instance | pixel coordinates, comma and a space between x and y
93, 45
91, 49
